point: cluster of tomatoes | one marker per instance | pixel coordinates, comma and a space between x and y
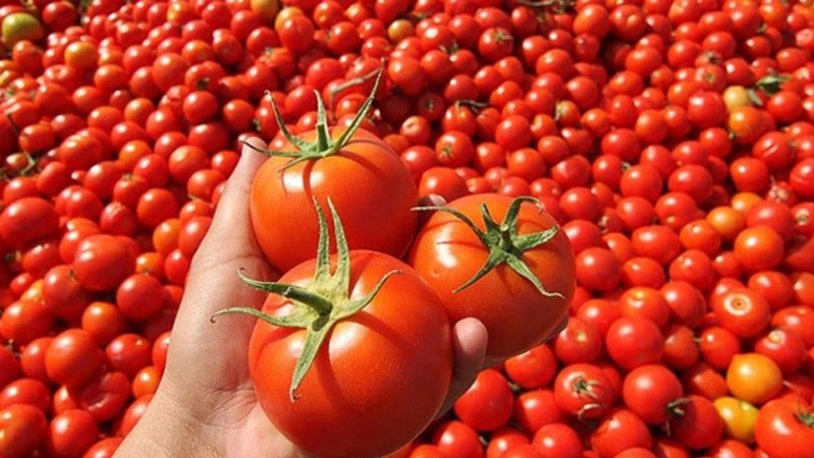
673, 141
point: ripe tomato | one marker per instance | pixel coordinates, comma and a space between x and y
557, 439
784, 428
619, 430
739, 418
742, 311
754, 378
72, 432
22, 429
73, 358
325, 161
364, 296
652, 392
582, 390
487, 404
521, 299
698, 426
102, 261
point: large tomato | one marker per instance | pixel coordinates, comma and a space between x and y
515, 276
785, 428
365, 178
369, 347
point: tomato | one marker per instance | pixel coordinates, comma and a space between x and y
128, 353
102, 262
139, 297
582, 390
652, 392
454, 438
105, 397
23, 428
520, 299
579, 342
634, 341
754, 378
742, 311
25, 320
739, 418
105, 448
26, 220
783, 428
367, 290
73, 358
533, 368
698, 426
72, 432
383, 185
487, 404
619, 430
557, 440
103, 321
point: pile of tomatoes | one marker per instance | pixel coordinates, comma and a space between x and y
672, 141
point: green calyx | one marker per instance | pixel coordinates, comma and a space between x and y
324, 145
319, 305
771, 84
505, 245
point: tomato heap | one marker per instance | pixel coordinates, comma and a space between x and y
670, 142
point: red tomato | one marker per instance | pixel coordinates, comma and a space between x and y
582, 390
102, 261
619, 430
521, 299
784, 429
487, 404
360, 297
73, 358
382, 195
22, 429
653, 393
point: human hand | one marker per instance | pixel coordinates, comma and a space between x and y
206, 404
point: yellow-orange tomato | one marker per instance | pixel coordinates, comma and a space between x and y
267, 9
284, 14
736, 97
739, 418
744, 201
81, 55
727, 221
754, 378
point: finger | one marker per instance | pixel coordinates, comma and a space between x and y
234, 202
213, 284
230, 239
469, 340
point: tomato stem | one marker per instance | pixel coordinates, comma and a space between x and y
324, 145
505, 245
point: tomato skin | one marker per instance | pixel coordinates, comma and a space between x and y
381, 197
26, 220
754, 377
102, 262
73, 431
700, 426
349, 389
22, 429
487, 404
73, 358
739, 418
649, 390
516, 315
780, 432
619, 430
